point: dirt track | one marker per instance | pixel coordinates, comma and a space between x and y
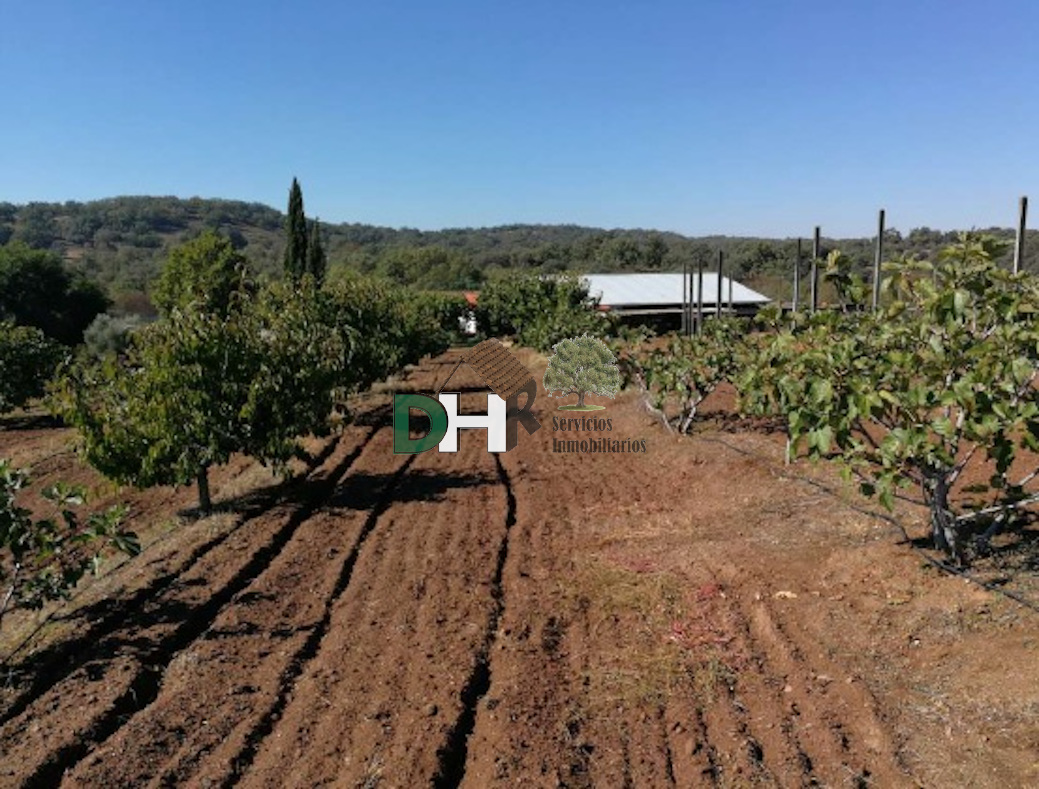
696, 616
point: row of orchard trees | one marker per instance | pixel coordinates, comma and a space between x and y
236, 366
934, 395
233, 365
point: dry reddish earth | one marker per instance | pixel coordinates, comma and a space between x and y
701, 615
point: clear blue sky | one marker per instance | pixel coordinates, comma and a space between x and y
717, 116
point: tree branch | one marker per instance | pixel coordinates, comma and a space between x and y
996, 508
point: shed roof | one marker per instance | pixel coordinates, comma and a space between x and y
623, 290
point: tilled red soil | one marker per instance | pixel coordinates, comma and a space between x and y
700, 615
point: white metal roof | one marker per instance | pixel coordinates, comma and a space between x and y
621, 290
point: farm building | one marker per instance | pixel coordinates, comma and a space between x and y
657, 298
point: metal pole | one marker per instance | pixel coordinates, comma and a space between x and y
876, 261
797, 278
1019, 245
685, 292
718, 305
730, 297
815, 271
689, 301
688, 288
699, 295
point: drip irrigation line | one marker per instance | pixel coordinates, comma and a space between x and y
888, 518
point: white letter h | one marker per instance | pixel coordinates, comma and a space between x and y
493, 421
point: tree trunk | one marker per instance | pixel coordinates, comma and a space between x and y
580, 400
205, 504
688, 415
10, 592
944, 529
647, 403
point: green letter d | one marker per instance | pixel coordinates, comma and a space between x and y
403, 443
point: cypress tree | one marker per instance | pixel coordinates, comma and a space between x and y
316, 260
296, 235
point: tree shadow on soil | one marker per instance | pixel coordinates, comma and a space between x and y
418, 423
97, 621
364, 491
1013, 553
30, 422
1010, 558
381, 416
730, 422
111, 628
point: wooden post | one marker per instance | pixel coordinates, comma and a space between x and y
685, 292
718, 304
699, 295
815, 271
730, 297
876, 261
797, 278
1019, 244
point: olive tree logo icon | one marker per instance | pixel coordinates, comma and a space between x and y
580, 366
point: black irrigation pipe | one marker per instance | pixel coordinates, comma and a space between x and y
891, 519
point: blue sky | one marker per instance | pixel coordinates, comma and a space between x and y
719, 116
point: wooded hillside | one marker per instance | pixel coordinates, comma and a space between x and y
122, 242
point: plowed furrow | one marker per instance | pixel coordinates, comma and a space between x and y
533, 705
735, 757
649, 760
748, 699
388, 682
259, 643
694, 761
834, 719
50, 665
454, 753
122, 672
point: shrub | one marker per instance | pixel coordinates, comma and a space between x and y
110, 334
28, 360
539, 310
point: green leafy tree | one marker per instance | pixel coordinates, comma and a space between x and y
295, 235
44, 559
690, 368
431, 267
655, 252
539, 310
36, 225
582, 365
445, 315
940, 383
412, 324
317, 262
851, 288
28, 360
37, 290
207, 271
197, 387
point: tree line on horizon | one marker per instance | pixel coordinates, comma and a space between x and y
121, 244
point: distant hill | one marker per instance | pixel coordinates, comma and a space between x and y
121, 242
